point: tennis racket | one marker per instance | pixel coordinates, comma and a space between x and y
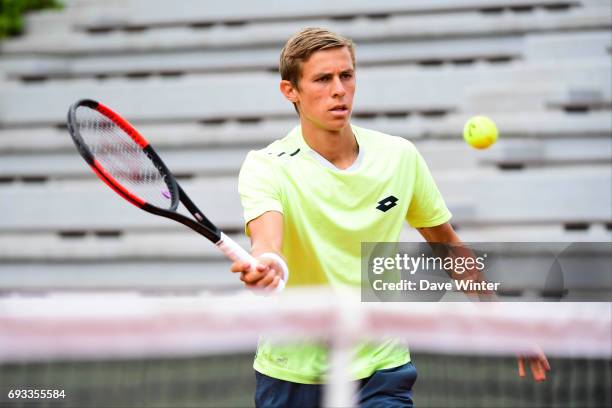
122, 158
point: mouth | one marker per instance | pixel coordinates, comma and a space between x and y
339, 109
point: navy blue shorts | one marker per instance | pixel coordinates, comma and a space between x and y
391, 387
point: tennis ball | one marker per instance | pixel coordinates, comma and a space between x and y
480, 132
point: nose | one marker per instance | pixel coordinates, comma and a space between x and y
338, 87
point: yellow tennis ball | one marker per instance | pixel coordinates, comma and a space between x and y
480, 132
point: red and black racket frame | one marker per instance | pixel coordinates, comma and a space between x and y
203, 226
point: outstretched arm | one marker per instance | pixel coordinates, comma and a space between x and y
538, 363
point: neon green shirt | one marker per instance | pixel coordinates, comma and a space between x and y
327, 213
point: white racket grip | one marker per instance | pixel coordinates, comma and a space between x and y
234, 251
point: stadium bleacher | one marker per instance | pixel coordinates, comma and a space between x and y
201, 83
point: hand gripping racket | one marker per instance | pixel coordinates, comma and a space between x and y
127, 163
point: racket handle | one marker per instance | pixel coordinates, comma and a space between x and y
234, 251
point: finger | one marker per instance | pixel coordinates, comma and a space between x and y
240, 266
537, 370
254, 276
262, 266
276, 282
266, 280
521, 367
542, 371
545, 362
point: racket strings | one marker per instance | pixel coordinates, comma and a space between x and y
123, 158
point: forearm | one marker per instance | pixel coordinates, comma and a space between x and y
446, 244
266, 233
258, 248
271, 270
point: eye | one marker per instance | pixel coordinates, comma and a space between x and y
347, 75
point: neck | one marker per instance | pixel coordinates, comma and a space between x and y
338, 147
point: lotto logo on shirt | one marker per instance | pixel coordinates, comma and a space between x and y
387, 203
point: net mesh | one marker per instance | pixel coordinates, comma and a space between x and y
452, 380
123, 158
132, 351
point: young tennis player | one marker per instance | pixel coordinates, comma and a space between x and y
309, 201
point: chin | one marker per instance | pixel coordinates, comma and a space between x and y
338, 124
330, 124
335, 127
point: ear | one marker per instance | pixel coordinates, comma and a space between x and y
289, 91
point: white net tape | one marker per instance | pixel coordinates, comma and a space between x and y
71, 326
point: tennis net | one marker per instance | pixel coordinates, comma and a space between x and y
127, 350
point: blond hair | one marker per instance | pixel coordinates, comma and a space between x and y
303, 44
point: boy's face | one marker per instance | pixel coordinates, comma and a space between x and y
326, 88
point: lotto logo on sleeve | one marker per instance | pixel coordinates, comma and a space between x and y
387, 203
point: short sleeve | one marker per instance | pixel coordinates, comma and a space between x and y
258, 187
427, 207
